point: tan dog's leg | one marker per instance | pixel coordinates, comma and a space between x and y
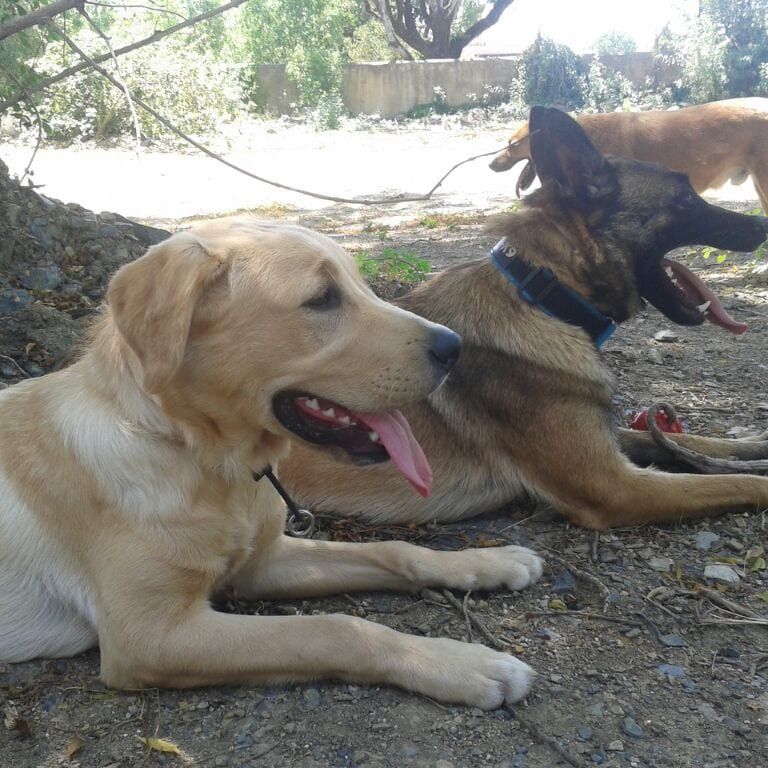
174, 639
582, 470
298, 568
643, 449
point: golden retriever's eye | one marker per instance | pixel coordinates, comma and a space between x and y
330, 298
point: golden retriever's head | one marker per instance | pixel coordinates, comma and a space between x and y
243, 327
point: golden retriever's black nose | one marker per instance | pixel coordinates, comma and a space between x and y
444, 348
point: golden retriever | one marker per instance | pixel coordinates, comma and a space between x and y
126, 491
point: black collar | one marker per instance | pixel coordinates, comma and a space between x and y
539, 287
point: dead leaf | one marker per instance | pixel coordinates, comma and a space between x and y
74, 746
15, 723
763, 596
160, 745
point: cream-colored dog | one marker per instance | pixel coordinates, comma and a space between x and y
126, 489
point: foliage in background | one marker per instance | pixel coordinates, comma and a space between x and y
393, 264
724, 54
190, 77
553, 75
311, 37
613, 43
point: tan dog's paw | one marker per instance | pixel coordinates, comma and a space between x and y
470, 674
512, 567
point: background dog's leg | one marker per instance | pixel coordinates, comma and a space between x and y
576, 462
300, 568
644, 450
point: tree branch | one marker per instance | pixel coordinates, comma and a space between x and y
153, 38
35, 18
461, 42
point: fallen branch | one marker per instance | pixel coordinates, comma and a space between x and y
470, 617
589, 616
538, 735
584, 576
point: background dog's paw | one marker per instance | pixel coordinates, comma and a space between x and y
511, 567
472, 674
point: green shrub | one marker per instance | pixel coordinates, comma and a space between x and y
176, 81
553, 75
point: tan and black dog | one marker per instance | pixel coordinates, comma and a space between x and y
528, 406
711, 143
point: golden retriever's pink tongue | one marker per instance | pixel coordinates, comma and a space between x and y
403, 448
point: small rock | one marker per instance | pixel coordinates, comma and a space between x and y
555, 678
739, 431
633, 632
670, 670
596, 710
564, 582
666, 336
42, 278
311, 699
14, 299
673, 641
661, 564
655, 356
615, 746
735, 725
584, 733
408, 749
631, 728
722, 573
598, 758
707, 711
705, 539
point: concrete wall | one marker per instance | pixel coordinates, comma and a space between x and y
392, 88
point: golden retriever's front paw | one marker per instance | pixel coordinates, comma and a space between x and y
512, 567
470, 674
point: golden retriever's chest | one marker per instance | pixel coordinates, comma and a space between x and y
254, 527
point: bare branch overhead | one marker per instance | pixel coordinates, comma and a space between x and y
35, 18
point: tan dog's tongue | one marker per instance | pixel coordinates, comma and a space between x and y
402, 447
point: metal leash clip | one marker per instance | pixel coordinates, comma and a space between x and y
300, 523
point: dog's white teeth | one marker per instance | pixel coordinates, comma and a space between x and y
330, 413
704, 307
345, 420
669, 272
373, 437
312, 404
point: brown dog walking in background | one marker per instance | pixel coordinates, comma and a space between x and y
710, 143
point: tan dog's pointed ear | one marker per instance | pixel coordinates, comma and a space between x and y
152, 301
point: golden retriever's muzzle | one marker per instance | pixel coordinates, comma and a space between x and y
366, 437
444, 349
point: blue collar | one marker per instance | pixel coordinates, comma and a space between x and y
540, 288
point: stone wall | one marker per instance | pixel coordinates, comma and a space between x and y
392, 88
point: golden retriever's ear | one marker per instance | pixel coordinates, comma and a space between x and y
153, 298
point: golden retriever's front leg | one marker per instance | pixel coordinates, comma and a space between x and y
300, 568
176, 647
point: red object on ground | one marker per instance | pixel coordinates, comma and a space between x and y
640, 422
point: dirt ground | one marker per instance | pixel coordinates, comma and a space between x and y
642, 661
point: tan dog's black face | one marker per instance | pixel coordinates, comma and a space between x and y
259, 326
